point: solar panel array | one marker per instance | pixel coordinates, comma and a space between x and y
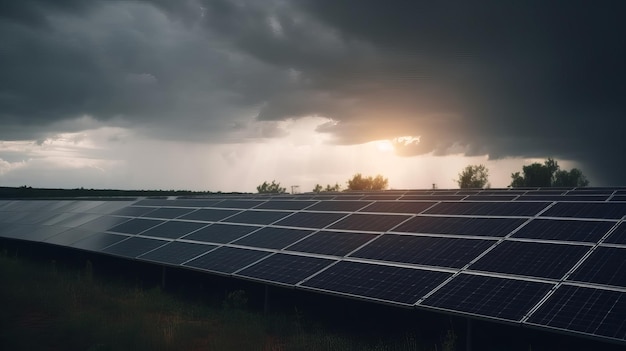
547, 258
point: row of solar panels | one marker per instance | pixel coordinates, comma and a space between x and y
507, 269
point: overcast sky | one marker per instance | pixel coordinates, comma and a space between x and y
222, 95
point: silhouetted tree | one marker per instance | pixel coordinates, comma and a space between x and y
318, 188
473, 176
333, 188
546, 175
358, 182
270, 188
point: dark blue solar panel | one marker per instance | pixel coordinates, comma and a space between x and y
381, 197
245, 204
332, 243
310, 219
433, 197
131, 211
98, 241
135, 226
579, 198
286, 205
221, 233
585, 310
257, 217
501, 298
490, 198
424, 250
173, 229
488, 208
177, 203
209, 215
176, 252
618, 236
606, 265
168, 212
227, 260
69, 236
398, 207
618, 198
393, 284
71, 220
285, 269
606, 210
103, 223
531, 259
497, 227
273, 238
369, 222
565, 230
338, 205
134, 247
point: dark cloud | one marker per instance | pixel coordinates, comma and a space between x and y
497, 78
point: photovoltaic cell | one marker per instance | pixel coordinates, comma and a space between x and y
497, 227
586, 310
257, 217
135, 226
210, 215
98, 241
398, 207
338, 205
286, 205
605, 210
490, 198
226, 260
177, 203
311, 219
173, 229
244, 204
531, 259
176, 252
332, 243
134, 247
424, 250
285, 269
132, 211
494, 297
69, 236
167, 212
369, 222
606, 265
550, 198
618, 236
618, 198
565, 230
220, 233
381, 197
103, 223
393, 284
273, 238
433, 197
488, 208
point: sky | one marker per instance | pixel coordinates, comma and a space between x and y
222, 95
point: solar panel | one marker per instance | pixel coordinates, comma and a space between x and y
586, 310
373, 281
134, 246
167, 212
176, 252
580, 198
490, 197
310, 219
69, 236
98, 241
132, 211
531, 259
220, 233
285, 269
273, 238
606, 265
604, 210
618, 236
135, 226
381, 197
423, 250
226, 260
565, 230
398, 207
497, 227
338, 205
210, 215
257, 217
173, 229
507, 299
103, 223
433, 197
488, 208
243, 204
332, 243
369, 222
286, 205
70, 219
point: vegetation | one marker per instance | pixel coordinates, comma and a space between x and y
71, 309
548, 174
270, 188
474, 176
359, 182
334, 188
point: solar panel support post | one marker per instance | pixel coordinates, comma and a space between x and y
163, 276
468, 336
266, 303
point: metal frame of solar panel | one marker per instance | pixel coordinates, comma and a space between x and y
489, 254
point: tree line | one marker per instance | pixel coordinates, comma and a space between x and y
546, 174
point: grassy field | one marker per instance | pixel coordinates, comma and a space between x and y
50, 306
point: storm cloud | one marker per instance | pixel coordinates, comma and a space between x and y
503, 79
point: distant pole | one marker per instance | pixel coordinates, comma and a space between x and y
295, 189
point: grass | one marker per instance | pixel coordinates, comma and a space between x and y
48, 306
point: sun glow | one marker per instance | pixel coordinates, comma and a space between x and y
384, 146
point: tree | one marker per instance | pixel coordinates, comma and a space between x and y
548, 174
270, 188
473, 176
358, 182
318, 188
334, 188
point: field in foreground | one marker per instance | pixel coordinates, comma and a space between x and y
50, 306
